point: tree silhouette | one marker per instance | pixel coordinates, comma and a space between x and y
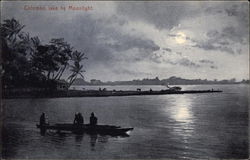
15, 61
77, 68
10, 29
29, 63
64, 51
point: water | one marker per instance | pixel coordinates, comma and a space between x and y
209, 125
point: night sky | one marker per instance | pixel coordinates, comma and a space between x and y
135, 40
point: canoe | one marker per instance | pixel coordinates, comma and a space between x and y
85, 128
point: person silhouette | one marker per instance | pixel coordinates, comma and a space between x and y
93, 119
76, 118
42, 119
80, 118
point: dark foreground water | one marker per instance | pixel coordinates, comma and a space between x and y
210, 125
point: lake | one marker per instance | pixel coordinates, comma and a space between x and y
208, 125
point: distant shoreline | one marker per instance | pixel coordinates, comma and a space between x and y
155, 84
156, 81
96, 93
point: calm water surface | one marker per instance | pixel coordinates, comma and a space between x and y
210, 125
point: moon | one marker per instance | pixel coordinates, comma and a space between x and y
180, 38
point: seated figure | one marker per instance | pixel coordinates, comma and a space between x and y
92, 119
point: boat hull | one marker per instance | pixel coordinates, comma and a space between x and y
80, 129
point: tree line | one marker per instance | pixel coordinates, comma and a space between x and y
29, 63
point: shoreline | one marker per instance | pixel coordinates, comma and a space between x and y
97, 93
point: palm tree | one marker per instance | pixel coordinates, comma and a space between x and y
13, 52
52, 59
10, 29
77, 68
63, 51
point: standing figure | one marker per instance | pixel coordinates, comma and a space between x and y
92, 119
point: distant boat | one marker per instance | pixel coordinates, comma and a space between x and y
85, 128
174, 88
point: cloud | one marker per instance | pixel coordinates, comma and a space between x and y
124, 71
206, 61
213, 67
210, 46
137, 38
209, 63
179, 53
126, 42
177, 59
188, 63
236, 10
173, 60
240, 11
167, 49
213, 10
230, 33
172, 35
225, 40
162, 15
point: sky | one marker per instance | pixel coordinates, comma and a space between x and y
136, 40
